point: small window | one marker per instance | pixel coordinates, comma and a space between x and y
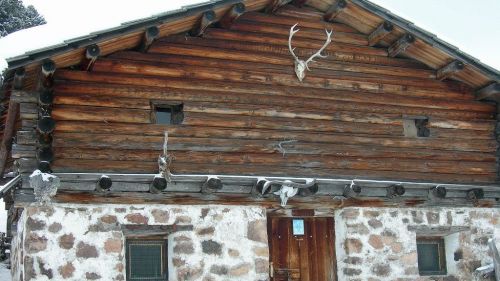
431, 256
146, 260
168, 114
416, 127
298, 226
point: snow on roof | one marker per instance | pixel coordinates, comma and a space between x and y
88, 19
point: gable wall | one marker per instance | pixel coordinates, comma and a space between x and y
246, 112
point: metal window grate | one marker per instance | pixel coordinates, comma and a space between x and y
146, 260
431, 256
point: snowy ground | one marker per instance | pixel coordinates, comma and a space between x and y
4, 272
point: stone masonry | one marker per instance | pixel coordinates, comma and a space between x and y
84, 242
380, 244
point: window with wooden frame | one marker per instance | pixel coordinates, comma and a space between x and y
416, 126
167, 114
431, 256
146, 259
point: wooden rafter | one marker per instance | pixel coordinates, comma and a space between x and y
380, 33
335, 10
449, 70
204, 22
275, 5
150, 35
490, 92
401, 45
232, 15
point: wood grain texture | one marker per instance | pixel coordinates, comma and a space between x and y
245, 112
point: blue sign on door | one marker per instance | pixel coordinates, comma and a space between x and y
298, 226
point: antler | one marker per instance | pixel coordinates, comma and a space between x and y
318, 53
267, 184
292, 32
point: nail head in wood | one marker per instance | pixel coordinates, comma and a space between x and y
380, 33
335, 10
104, 183
19, 78
275, 5
401, 45
232, 15
449, 70
158, 184
46, 124
206, 20
490, 92
46, 96
46, 154
211, 185
48, 68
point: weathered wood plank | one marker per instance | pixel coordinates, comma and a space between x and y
280, 135
184, 90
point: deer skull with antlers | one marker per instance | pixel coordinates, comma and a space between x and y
300, 65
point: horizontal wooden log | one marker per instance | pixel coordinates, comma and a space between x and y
20, 96
334, 10
232, 15
280, 135
23, 151
289, 21
401, 45
380, 33
248, 76
26, 137
179, 89
292, 160
28, 111
103, 114
275, 5
282, 40
72, 165
449, 70
305, 32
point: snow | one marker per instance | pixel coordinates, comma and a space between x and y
4, 272
92, 16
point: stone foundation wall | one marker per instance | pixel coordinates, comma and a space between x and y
81, 242
380, 244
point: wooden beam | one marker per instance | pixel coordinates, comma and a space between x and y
335, 10
300, 3
46, 124
438, 191
46, 96
449, 70
351, 190
150, 35
232, 15
275, 5
475, 194
48, 68
400, 46
206, 20
395, 190
104, 183
158, 184
211, 185
8, 133
45, 154
44, 167
490, 92
378, 34
19, 78
91, 54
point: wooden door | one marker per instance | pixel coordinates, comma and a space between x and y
308, 257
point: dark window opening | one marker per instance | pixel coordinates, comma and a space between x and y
168, 114
146, 260
416, 127
431, 256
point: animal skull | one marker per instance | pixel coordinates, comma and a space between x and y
301, 65
288, 188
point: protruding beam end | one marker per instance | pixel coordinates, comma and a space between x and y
232, 15
104, 183
401, 45
158, 184
449, 70
490, 92
380, 33
206, 20
335, 10
151, 34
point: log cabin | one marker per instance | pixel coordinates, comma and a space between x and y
207, 144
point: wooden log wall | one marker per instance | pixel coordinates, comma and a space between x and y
245, 112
